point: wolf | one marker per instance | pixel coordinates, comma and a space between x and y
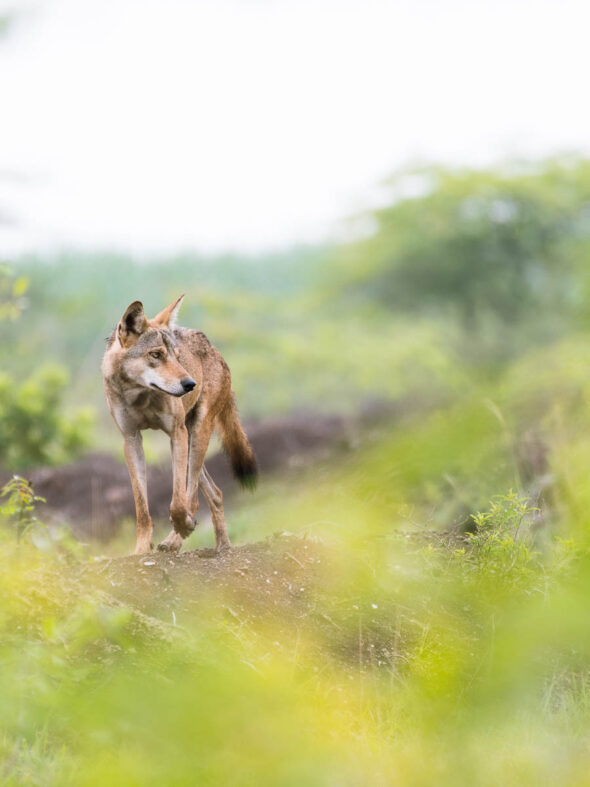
158, 375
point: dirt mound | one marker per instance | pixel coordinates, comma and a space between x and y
280, 592
291, 592
266, 574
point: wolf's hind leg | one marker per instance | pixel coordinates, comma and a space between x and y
214, 500
198, 444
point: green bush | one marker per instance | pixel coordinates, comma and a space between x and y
33, 429
502, 544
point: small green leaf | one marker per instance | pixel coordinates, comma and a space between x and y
20, 286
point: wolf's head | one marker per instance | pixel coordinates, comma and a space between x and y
150, 356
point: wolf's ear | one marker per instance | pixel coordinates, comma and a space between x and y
167, 317
133, 324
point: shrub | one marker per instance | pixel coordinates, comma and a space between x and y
501, 552
33, 429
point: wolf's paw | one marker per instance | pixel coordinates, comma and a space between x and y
172, 543
182, 523
223, 548
143, 548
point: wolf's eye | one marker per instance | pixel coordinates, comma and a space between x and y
157, 355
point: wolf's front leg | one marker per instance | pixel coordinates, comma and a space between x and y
179, 515
134, 456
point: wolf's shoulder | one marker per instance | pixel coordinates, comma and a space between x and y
195, 341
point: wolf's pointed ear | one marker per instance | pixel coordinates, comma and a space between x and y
133, 324
168, 315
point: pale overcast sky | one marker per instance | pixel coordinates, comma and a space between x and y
158, 125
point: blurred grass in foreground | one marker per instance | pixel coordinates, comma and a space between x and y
453, 664
451, 661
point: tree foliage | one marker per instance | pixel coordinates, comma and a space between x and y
493, 248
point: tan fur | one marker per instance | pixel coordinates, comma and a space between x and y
143, 367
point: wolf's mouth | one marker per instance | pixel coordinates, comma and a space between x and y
163, 390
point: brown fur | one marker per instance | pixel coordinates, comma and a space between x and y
148, 369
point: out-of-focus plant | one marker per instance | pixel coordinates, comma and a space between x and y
33, 427
13, 290
392, 673
19, 503
501, 543
7, 19
503, 252
501, 558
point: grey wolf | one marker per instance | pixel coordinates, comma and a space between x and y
161, 376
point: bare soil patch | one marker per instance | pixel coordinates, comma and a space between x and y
289, 590
278, 580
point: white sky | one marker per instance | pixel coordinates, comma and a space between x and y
159, 125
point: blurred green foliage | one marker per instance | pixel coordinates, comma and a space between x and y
12, 293
33, 428
502, 253
19, 503
6, 22
427, 670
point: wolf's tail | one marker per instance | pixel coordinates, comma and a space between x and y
237, 447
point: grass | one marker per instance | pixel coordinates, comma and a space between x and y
411, 661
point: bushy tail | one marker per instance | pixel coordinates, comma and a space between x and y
238, 449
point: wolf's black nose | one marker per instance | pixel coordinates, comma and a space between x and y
188, 384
